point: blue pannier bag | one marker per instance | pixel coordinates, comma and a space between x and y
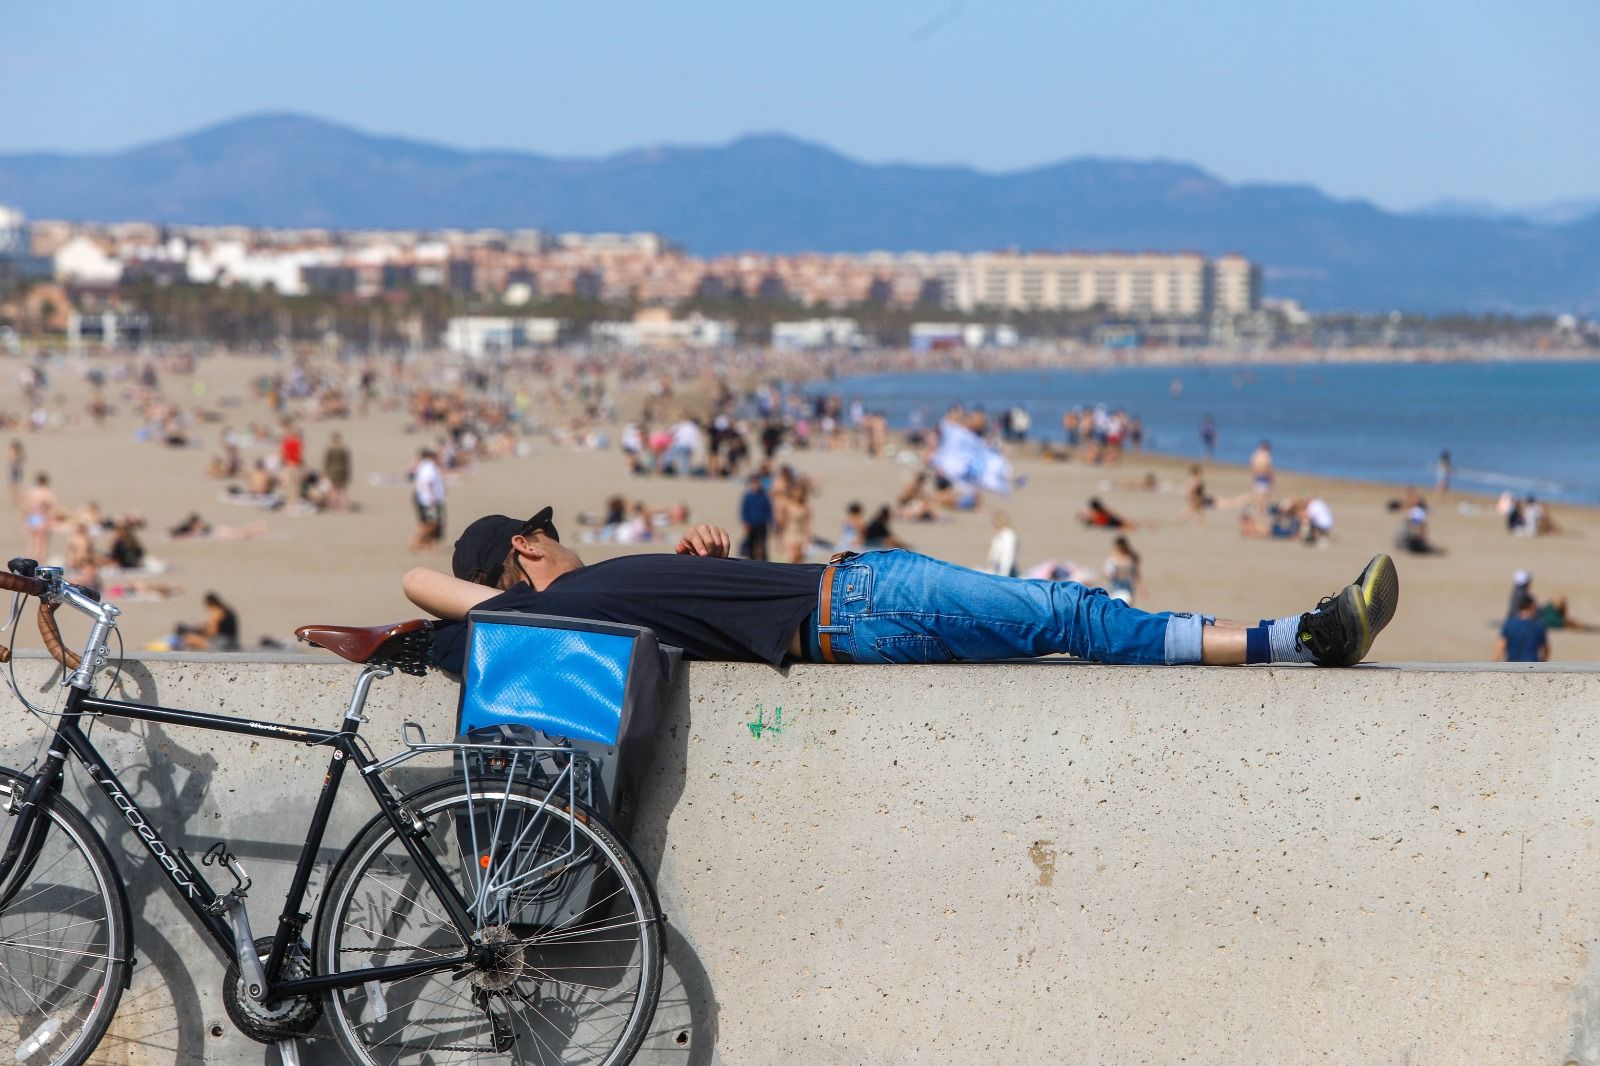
597, 687
571, 685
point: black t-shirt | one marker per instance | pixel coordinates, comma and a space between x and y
730, 610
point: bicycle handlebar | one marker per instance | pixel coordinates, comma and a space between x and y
59, 592
28, 586
50, 633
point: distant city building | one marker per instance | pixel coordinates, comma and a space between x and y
330, 280
480, 335
654, 327
17, 261
649, 244
1153, 284
14, 239
771, 289
1237, 285
940, 336
817, 333
109, 328
82, 261
398, 277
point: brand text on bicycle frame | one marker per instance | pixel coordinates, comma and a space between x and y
152, 839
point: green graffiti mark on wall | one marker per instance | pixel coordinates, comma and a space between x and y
761, 726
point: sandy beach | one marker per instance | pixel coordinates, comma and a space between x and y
344, 568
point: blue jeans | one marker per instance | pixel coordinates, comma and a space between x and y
900, 607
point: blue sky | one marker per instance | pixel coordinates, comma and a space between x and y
1403, 102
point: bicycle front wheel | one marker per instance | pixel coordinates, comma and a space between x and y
63, 938
573, 967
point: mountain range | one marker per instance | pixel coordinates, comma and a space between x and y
774, 193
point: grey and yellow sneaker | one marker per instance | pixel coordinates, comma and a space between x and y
1342, 628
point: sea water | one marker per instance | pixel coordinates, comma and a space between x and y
1532, 427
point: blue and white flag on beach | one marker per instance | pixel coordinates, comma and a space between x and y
964, 459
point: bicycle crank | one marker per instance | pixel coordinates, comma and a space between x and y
269, 1023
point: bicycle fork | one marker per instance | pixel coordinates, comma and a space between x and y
26, 804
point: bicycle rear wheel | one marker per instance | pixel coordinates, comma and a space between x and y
576, 936
63, 938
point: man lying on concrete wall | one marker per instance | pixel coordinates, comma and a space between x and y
876, 607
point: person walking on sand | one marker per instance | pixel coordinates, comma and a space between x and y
1123, 579
1443, 470
291, 451
39, 506
1002, 547
427, 493
336, 468
1261, 476
755, 512
16, 457
795, 523
1523, 638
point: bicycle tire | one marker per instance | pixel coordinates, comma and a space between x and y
594, 917
71, 874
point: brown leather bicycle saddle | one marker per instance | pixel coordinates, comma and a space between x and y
403, 645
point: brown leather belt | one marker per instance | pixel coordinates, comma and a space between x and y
825, 616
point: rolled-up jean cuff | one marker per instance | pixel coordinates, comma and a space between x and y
1183, 638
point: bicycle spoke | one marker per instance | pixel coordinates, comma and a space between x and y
443, 920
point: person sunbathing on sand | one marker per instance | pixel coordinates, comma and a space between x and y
196, 528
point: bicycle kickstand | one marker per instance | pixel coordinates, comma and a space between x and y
289, 1052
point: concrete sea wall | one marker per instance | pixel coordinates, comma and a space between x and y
1044, 862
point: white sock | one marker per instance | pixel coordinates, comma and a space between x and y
1283, 634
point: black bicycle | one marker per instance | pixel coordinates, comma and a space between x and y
489, 917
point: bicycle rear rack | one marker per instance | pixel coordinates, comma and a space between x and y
515, 854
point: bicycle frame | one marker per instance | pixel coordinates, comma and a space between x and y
186, 880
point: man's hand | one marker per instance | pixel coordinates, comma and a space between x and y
705, 540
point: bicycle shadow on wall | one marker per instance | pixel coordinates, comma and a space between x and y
163, 1009
181, 797
685, 1028
161, 1016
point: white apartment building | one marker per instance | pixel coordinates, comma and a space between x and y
648, 244
478, 335
816, 333
82, 261
653, 327
1148, 283
1237, 285
1161, 284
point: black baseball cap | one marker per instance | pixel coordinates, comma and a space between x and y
482, 548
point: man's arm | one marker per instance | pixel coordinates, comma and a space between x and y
1500, 650
444, 596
